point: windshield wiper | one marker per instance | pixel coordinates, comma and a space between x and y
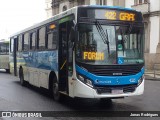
103, 35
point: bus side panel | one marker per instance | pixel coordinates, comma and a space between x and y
38, 65
44, 78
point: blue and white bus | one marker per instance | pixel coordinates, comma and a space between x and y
86, 51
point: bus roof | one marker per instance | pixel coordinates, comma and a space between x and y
107, 7
69, 12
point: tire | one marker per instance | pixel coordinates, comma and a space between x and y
7, 70
56, 94
106, 102
21, 77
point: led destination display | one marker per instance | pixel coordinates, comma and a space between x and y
93, 56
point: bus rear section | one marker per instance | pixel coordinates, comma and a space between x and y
4, 55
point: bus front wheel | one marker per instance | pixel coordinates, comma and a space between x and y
106, 101
55, 91
56, 94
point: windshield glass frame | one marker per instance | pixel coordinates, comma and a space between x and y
117, 57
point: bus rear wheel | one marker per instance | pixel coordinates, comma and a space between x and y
21, 77
7, 70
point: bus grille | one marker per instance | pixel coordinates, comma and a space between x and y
112, 70
108, 89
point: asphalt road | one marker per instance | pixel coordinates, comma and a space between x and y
14, 97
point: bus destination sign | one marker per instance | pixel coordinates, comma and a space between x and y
118, 15
113, 15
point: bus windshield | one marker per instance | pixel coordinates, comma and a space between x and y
4, 48
124, 46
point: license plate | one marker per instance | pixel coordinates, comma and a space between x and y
117, 91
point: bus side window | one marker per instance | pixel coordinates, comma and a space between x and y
26, 42
55, 40
32, 41
50, 40
11, 45
20, 43
41, 44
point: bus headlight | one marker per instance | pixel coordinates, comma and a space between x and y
89, 82
85, 80
140, 80
81, 78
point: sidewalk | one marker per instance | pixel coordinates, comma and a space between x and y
149, 75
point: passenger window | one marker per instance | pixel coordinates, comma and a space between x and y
11, 45
32, 41
52, 40
41, 45
20, 43
26, 43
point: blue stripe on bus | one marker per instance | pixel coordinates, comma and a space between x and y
44, 60
111, 80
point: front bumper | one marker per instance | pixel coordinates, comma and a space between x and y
84, 91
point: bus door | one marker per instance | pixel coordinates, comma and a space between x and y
65, 55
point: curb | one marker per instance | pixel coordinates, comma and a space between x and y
151, 78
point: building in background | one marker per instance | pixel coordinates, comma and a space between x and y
149, 8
